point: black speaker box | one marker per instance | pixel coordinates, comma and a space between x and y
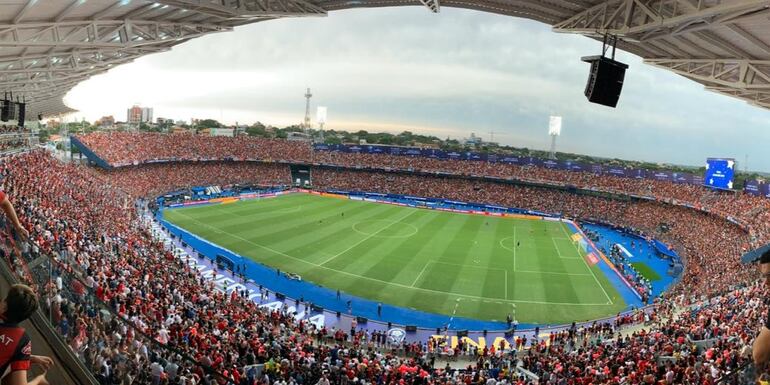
410, 328
462, 333
605, 80
22, 115
5, 110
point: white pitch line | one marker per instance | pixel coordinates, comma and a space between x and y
421, 272
367, 238
473, 297
609, 300
514, 249
557, 248
559, 252
506, 284
554, 273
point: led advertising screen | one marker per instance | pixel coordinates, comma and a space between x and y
719, 173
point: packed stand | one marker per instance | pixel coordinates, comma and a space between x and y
13, 129
123, 148
711, 244
152, 180
103, 252
93, 230
120, 148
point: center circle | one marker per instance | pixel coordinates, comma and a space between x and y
503, 243
384, 228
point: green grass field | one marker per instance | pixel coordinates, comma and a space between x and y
428, 260
646, 271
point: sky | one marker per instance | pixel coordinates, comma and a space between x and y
448, 74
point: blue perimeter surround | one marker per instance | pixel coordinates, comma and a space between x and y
629, 296
326, 298
642, 252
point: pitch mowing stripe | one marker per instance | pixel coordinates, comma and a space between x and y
457, 245
225, 212
272, 216
405, 266
341, 254
398, 259
270, 209
367, 238
290, 227
377, 280
482, 254
318, 240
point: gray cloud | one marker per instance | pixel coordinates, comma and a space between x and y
453, 73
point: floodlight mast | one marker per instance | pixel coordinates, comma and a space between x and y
554, 130
321, 114
306, 124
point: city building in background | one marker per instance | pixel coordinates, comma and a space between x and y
105, 122
137, 115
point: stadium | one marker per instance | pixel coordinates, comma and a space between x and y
184, 258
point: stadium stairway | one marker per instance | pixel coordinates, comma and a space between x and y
45, 342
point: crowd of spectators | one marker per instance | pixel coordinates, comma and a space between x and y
105, 255
124, 148
13, 129
641, 284
86, 219
155, 179
120, 148
710, 243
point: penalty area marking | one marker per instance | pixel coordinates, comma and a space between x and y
609, 300
559, 251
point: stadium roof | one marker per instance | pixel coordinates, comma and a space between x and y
49, 46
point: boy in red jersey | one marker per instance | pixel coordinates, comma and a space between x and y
15, 345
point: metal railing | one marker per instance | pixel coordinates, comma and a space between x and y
86, 324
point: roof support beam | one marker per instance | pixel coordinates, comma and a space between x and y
744, 79
102, 33
23, 11
73, 5
740, 74
433, 5
638, 20
249, 9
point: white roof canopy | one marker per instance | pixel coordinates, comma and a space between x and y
49, 46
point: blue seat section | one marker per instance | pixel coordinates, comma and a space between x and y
89, 154
641, 250
628, 295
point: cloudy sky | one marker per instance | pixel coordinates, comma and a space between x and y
395, 69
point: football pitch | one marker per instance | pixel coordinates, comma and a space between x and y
472, 266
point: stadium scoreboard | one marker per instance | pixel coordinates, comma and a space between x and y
719, 173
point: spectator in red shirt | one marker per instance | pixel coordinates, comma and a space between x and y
15, 345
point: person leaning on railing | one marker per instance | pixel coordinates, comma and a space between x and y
760, 350
9, 211
15, 346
